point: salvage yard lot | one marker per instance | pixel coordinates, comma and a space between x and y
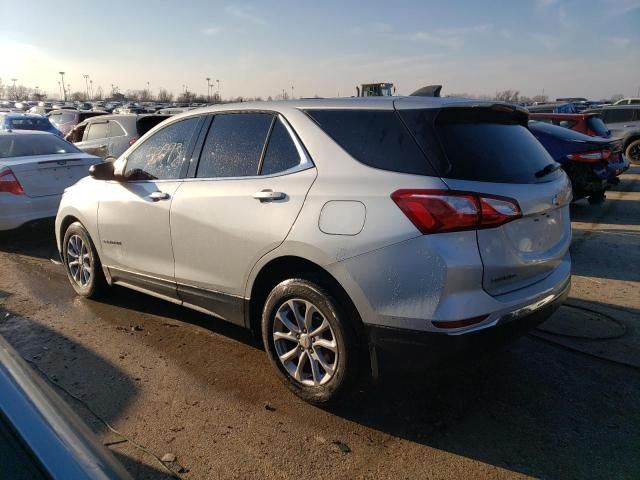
176, 381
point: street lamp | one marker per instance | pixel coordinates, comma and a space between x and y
64, 93
148, 91
291, 92
15, 92
208, 89
86, 83
91, 88
218, 91
60, 87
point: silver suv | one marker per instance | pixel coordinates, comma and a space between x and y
357, 236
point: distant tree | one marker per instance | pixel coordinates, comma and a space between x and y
510, 96
133, 95
77, 96
21, 92
164, 95
145, 95
118, 97
269, 99
540, 98
616, 96
38, 96
99, 94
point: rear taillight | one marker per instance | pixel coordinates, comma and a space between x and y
133, 140
592, 156
439, 211
9, 183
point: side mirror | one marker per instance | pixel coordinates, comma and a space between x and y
103, 171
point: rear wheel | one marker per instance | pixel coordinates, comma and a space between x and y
633, 151
310, 341
82, 263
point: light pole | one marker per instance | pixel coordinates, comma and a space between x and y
15, 91
64, 92
60, 87
208, 89
86, 83
218, 91
148, 91
90, 88
291, 92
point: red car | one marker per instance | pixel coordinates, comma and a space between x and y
588, 123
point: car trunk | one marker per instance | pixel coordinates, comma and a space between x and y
488, 149
45, 175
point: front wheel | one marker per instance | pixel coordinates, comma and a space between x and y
82, 263
310, 341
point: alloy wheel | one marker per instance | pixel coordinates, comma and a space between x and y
79, 260
305, 342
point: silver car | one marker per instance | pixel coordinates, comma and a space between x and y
35, 167
356, 236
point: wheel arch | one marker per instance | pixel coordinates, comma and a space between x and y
292, 266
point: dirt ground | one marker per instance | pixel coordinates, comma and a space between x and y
175, 381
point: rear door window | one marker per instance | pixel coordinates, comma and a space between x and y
479, 144
618, 115
115, 130
234, 145
376, 138
281, 154
97, 130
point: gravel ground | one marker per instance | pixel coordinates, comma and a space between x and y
178, 382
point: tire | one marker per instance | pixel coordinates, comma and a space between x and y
81, 262
597, 198
334, 351
632, 151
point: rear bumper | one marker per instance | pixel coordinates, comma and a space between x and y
612, 169
16, 210
404, 351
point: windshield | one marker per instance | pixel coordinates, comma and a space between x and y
386, 91
33, 144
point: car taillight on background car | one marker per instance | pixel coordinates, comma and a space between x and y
133, 140
439, 211
9, 183
592, 156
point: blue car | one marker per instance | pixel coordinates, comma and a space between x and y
592, 163
27, 121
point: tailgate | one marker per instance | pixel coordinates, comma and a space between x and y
41, 176
525, 251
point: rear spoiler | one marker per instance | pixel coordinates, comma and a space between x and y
428, 91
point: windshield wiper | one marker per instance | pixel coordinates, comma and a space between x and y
552, 167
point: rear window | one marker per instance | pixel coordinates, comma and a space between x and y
28, 123
598, 126
33, 144
558, 132
479, 144
144, 124
376, 138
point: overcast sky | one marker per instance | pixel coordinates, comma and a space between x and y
585, 48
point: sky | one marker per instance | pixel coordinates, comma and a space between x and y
587, 48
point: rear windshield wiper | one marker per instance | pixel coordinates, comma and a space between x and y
552, 167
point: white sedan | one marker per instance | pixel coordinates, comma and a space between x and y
35, 168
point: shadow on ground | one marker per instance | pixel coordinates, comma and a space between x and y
72, 369
36, 239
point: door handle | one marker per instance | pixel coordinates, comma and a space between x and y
156, 196
269, 195
103, 146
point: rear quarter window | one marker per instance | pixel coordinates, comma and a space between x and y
377, 138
